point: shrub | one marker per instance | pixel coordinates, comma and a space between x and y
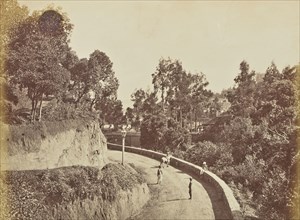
163, 134
211, 153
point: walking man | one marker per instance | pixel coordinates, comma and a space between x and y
190, 188
159, 175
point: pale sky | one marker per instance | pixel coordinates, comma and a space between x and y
212, 37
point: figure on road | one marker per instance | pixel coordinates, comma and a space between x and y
204, 165
190, 188
168, 158
165, 160
159, 175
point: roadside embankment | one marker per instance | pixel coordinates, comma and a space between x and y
78, 192
221, 188
47, 145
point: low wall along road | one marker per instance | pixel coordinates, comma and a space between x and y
222, 190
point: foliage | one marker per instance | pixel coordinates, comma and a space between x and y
241, 97
214, 155
145, 103
176, 137
92, 78
153, 129
182, 93
35, 56
12, 14
163, 134
111, 111
40, 63
256, 149
168, 113
58, 110
38, 193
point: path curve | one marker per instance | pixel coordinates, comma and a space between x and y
170, 199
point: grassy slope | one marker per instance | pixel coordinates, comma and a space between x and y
36, 193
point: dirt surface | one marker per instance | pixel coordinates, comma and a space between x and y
170, 200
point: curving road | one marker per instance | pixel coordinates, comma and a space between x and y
170, 199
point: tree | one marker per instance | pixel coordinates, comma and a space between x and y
35, 57
130, 116
199, 96
156, 134
153, 129
241, 97
138, 97
145, 103
102, 79
181, 92
111, 111
79, 85
162, 76
136, 114
92, 80
12, 14
150, 105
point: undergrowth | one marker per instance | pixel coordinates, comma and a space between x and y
37, 192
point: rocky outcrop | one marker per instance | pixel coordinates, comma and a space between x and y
52, 145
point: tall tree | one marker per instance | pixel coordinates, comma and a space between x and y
35, 55
93, 79
241, 97
79, 77
12, 14
138, 98
111, 111
102, 81
162, 76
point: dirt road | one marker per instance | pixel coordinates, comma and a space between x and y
170, 199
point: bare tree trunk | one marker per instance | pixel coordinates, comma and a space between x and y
40, 108
35, 109
195, 119
79, 99
32, 111
181, 122
191, 120
92, 104
162, 99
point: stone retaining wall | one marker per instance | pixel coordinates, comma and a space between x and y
221, 188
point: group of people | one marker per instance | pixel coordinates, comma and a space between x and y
166, 160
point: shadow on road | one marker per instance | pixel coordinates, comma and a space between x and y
151, 184
179, 171
172, 200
